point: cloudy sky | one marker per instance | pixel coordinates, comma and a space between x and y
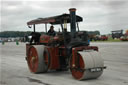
102, 15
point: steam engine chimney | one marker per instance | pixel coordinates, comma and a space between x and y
73, 21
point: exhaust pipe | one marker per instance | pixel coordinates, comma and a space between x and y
73, 21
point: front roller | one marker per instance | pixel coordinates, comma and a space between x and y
36, 59
87, 65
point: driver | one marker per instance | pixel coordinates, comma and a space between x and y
51, 31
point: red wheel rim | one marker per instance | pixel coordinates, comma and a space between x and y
33, 60
77, 74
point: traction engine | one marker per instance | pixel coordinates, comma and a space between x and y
64, 51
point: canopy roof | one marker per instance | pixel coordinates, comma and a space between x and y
54, 20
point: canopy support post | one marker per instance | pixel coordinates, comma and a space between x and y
78, 27
46, 27
34, 27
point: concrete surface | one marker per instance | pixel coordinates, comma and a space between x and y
14, 69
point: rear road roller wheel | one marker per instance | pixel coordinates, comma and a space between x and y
82, 68
36, 61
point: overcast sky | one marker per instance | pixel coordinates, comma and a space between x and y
102, 15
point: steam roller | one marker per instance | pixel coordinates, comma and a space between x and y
63, 50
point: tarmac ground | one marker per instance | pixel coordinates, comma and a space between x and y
14, 69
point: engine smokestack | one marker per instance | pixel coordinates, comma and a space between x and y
73, 21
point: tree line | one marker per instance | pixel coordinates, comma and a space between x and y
6, 34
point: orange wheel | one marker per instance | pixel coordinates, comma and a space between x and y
77, 72
36, 61
33, 60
